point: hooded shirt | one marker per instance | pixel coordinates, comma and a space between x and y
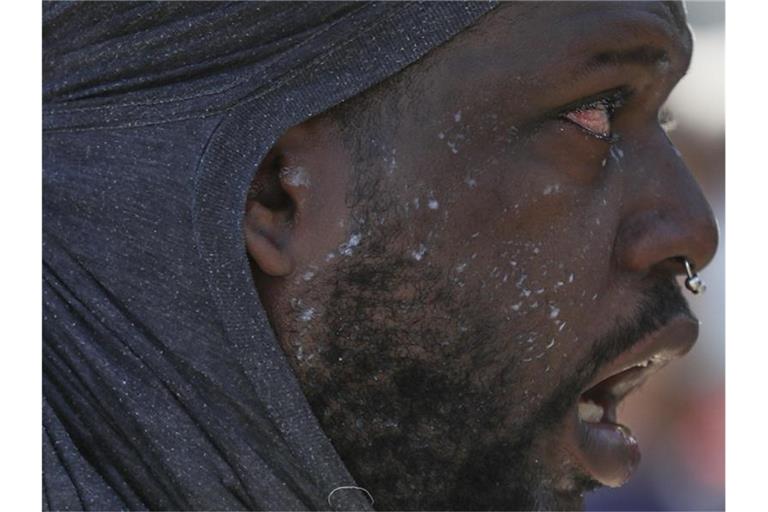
163, 384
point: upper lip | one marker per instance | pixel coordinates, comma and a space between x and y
674, 339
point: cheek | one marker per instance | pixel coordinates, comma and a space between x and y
577, 157
540, 264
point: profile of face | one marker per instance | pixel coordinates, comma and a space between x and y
472, 265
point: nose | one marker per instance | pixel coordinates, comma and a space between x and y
665, 216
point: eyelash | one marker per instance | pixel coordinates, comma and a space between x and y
606, 102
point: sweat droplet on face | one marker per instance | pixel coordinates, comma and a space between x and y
617, 154
419, 253
295, 176
307, 315
347, 248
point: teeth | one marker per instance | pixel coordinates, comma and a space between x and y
590, 412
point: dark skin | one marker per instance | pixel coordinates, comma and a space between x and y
445, 299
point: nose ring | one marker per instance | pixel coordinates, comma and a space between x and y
693, 282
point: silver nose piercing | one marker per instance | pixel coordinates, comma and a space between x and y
693, 282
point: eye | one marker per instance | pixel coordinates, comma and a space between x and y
595, 115
595, 119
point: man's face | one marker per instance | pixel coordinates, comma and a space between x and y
513, 244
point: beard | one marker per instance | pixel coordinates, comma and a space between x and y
399, 367
391, 384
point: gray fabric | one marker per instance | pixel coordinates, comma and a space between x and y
164, 387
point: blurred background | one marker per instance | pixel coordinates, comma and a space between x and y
679, 416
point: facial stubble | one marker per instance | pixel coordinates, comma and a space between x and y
392, 371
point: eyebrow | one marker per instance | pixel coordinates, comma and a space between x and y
644, 55
641, 55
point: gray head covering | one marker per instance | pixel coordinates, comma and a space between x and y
164, 386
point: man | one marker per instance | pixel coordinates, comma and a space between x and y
467, 267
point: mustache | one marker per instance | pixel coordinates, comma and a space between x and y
660, 303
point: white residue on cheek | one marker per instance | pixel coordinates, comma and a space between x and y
308, 275
516, 307
457, 116
554, 312
570, 278
347, 248
617, 154
295, 176
461, 267
307, 314
432, 203
551, 189
419, 253
391, 162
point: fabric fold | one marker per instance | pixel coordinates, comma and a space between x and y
164, 386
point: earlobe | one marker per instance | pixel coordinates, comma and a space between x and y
265, 240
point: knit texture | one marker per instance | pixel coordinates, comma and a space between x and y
164, 386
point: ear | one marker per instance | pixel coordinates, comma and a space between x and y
275, 201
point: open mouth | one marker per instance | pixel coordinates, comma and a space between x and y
606, 449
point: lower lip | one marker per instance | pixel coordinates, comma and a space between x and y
607, 451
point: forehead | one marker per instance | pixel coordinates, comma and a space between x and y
557, 21
546, 44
